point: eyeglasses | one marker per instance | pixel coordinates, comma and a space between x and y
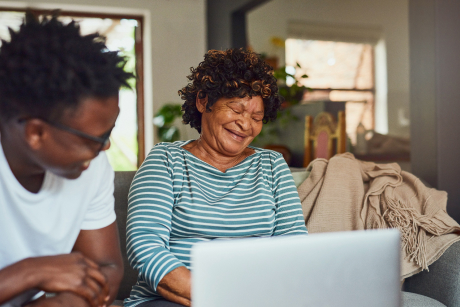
103, 139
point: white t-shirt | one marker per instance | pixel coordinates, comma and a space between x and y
48, 222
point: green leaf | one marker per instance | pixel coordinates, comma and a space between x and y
168, 134
169, 112
283, 91
164, 119
159, 121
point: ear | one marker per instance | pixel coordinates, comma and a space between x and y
201, 103
35, 133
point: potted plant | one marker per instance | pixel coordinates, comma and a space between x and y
164, 120
292, 95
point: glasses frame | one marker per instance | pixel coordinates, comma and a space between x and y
103, 140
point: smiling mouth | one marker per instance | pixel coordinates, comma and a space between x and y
236, 135
86, 164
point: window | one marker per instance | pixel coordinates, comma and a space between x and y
337, 71
123, 33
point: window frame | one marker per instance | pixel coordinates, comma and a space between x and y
354, 89
138, 51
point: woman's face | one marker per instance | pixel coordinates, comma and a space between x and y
232, 123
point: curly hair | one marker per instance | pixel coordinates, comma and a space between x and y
230, 73
48, 67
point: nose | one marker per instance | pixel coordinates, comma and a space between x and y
244, 122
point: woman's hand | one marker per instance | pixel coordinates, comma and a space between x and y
176, 286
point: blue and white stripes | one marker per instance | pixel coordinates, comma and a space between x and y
177, 200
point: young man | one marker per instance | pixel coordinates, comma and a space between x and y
58, 105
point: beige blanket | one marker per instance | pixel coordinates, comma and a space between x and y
347, 194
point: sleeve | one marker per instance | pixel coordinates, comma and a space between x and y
101, 211
150, 205
288, 214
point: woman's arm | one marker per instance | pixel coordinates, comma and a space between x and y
150, 209
176, 286
288, 216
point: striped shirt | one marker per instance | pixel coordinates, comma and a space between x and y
176, 200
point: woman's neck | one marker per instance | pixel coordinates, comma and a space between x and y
203, 151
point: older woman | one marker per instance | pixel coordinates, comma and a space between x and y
214, 187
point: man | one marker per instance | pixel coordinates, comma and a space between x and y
58, 105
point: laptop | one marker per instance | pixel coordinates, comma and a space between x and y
355, 269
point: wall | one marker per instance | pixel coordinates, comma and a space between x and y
435, 96
271, 19
175, 40
219, 22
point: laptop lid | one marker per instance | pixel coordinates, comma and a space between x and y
358, 268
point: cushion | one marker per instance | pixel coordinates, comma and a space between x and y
122, 183
299, 176
442, 281
408, 300
416, 300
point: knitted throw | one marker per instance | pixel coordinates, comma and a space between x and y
347, 194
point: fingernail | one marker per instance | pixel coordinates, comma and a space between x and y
107, 297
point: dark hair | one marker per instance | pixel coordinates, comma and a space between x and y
230, 73
48, 67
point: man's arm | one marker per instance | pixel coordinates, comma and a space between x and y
73, 273
14, 281
103, 247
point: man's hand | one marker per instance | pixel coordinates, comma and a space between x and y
64, 299
103, 246
62, 273
72, 273
93, 271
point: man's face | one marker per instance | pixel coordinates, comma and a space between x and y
68, 155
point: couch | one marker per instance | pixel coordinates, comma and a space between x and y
438, 287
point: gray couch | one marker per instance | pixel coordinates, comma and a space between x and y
438, 287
